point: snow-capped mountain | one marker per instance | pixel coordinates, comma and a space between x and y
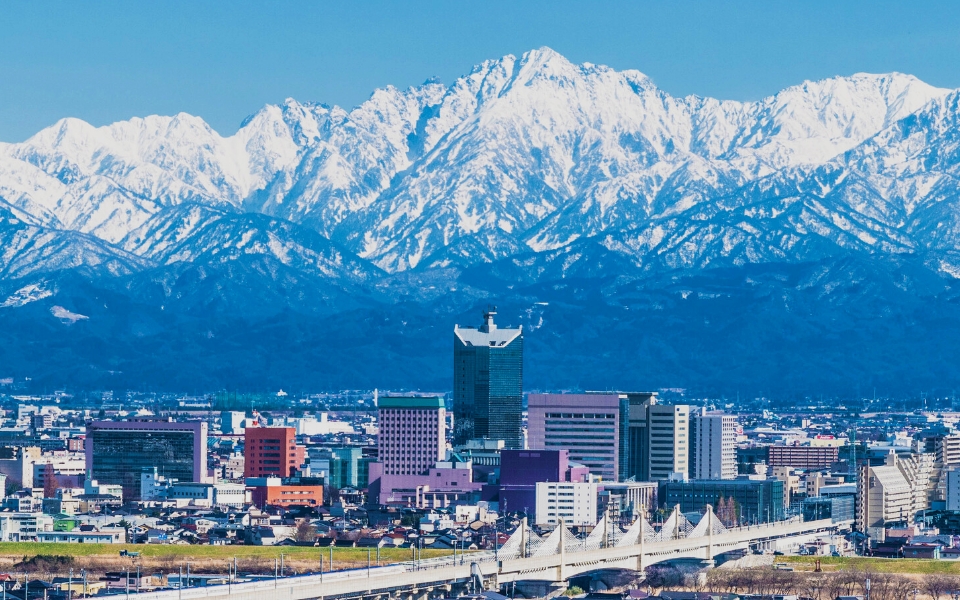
527, 178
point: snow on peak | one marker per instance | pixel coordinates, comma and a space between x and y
525, 153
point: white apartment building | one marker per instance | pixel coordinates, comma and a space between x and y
24, 527
575, 503
714, 446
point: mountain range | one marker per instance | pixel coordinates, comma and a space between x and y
805, 243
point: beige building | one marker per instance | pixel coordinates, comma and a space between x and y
895, 492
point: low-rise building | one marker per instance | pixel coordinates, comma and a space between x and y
574, 503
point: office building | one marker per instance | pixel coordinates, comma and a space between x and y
802, 457
285, 491
521, 470
636, 463
659, 439
953, 489
575, 503
413, 468
753, 501
348, 469
836, 508
586, 425
713, 446
488, 382
271, 452
117, 452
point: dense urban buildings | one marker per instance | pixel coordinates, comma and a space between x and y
117, 452
488, 382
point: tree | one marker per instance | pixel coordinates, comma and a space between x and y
305, 531
49, 482
938, 585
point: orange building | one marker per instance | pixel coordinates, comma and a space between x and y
271, 452
287, 495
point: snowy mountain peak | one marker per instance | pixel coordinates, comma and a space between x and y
521, 154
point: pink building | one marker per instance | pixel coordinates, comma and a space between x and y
413, 470
412, 434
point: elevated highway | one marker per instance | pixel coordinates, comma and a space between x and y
525, 556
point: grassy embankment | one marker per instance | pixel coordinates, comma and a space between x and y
878, 565
42, 560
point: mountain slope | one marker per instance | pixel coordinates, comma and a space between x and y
684, 241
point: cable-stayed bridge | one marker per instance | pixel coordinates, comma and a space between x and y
525, 556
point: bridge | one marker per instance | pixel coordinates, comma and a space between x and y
525, 556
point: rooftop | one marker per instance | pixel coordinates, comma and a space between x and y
410, 402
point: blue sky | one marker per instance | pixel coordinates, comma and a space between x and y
105, 61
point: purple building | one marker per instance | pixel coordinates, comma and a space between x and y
118, 452
520, 470
588, 425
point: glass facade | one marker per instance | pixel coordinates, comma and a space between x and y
488, 383
755, 501
119, 456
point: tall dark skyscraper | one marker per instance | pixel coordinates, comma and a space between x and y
488, 382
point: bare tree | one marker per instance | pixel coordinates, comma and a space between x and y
814, 585
49, 482
305, 531
937, 585
901, 587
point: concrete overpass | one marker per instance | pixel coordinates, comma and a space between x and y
524, 557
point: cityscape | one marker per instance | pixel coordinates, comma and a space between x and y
480, 301
372, 480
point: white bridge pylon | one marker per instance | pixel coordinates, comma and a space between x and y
524, 543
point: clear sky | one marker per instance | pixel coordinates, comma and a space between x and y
106, 61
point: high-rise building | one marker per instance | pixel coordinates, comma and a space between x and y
658, 445
488, 382
636, 442
713, 446
271, 452
669, 440
412, 434
413, 467
117, 452
895, 492
587, 425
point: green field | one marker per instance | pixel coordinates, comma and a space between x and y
27, 549
879, 565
